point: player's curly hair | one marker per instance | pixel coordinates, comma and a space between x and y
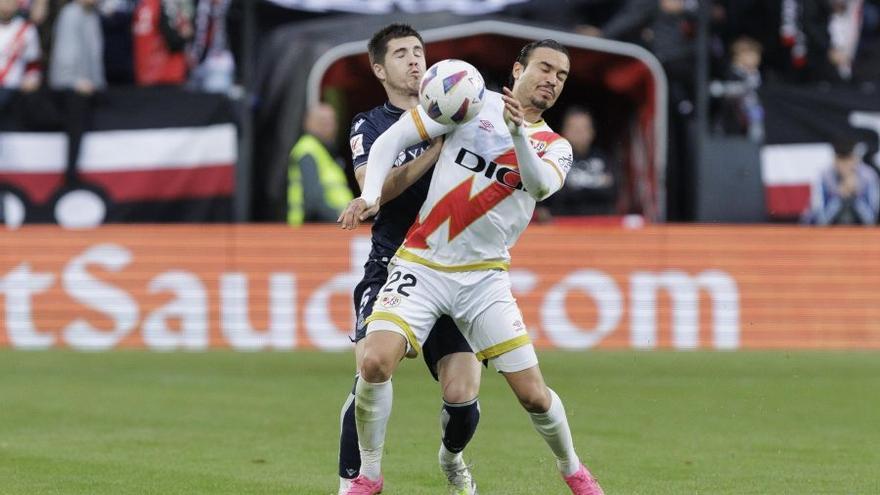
378, 45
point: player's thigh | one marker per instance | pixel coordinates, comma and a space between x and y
459, 375
445, 339
496, 329
365, 293
409, 304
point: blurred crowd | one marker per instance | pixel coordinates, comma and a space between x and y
84, 45
73, 49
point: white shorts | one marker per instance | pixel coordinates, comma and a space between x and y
480, 302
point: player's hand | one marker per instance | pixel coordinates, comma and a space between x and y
356, 212
513, 112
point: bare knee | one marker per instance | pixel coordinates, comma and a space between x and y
382, 351
528, 386
459, 377
460, 390
376, 368
535, 401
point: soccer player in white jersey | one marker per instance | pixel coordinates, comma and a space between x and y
454, 259
397, 54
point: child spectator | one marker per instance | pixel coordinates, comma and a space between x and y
848, 193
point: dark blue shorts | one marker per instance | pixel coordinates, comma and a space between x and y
444, 338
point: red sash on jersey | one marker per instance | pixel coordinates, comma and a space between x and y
16, 51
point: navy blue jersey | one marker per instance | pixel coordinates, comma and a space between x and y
396, 216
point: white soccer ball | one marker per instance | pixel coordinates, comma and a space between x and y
452, 92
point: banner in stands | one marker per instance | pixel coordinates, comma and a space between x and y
274, 288
151, 155
801, 124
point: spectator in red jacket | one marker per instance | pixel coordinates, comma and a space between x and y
162, 30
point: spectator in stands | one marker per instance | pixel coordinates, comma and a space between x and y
116, 21
667, 28
741, 111
592, 185
866, 67
664, 26
211, 61
848, 193
162, 31
76, 70
19, 53
317, 188
844, 29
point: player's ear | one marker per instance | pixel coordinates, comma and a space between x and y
517, 70
379, 72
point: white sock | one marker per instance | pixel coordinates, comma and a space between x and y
553, 426
372, 409
448, 458
344, 485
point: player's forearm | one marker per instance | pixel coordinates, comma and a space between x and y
540, 178
382, 155
401, 178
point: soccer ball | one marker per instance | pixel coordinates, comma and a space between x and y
452, 92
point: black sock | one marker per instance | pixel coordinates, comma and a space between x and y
349, 451
459, 422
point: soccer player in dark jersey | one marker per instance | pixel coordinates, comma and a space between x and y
397, 56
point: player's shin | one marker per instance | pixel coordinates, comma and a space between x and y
349, 452
458, 422
372, 410
553, 427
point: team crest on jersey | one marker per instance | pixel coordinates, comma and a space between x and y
539, 146
389, 300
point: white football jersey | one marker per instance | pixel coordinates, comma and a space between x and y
477, 207
19, 46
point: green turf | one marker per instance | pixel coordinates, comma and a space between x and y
230, 423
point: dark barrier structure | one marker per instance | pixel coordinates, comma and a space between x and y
150, 155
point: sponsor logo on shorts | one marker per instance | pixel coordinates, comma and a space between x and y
518, 325
389, 300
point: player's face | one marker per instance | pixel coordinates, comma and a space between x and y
404, 65
540, 82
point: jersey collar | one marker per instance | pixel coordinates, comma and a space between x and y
388, 107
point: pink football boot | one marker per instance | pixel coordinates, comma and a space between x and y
582, 483
365, 486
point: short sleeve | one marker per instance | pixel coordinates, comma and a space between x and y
560, 155
361, 137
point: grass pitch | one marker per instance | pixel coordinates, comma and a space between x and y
229, 423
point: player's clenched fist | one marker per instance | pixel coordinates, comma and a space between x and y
356, 212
